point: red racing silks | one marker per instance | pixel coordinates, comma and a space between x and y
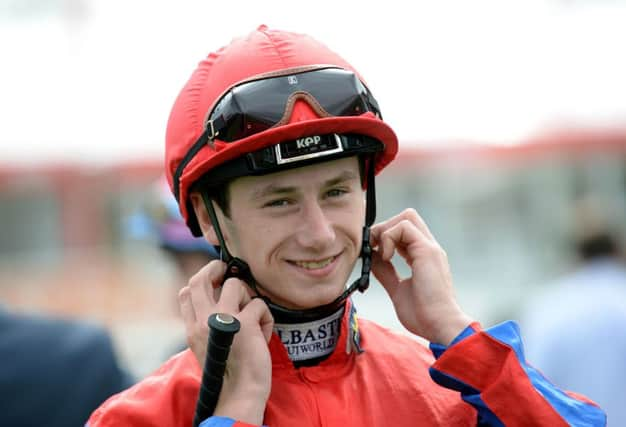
385, 383
489, 369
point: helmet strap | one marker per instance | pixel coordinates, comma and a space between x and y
370, 216
235, 267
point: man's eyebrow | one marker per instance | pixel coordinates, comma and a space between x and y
342, 177
272, 190
277, 190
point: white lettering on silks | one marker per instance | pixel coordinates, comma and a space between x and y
310, 340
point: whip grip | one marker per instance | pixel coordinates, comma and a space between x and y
222, 330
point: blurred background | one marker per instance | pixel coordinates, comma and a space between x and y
507, 112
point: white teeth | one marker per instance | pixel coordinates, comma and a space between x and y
312, 265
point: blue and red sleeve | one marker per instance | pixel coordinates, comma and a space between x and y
224, 422
488, 367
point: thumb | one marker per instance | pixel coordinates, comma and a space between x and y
385, 272
258, 311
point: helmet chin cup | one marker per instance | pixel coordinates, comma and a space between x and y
238, 268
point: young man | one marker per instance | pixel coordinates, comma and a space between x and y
269, 147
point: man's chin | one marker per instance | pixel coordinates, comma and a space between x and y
320, 300
306, 295
299, 303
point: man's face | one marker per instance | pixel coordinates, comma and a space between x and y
299, 230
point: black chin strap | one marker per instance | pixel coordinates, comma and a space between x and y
236, 267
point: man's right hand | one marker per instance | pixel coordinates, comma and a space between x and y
247, 381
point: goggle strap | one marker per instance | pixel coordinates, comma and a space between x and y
206, 138
195, 148
212, 128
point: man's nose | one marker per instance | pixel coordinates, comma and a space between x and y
316, 230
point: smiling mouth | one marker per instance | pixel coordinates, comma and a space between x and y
314, 265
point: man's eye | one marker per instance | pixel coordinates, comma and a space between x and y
277, 203
335, 192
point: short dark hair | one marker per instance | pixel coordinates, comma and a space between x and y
221, 196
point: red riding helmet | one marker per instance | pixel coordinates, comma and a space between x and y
260, 90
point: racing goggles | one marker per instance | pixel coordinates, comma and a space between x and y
255, 106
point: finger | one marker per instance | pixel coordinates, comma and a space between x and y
416, 219
259, 312
402, 236
383, 226
408, 215
217, 278
202, 286
217, 272
187, 312
211, 275
385, 273
234, 296
196, 333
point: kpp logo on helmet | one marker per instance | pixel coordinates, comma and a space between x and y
308, 141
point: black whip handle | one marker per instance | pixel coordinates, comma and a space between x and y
222, 330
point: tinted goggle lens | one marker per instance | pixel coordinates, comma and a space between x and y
255, 106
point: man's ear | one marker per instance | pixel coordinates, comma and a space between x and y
203, 218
